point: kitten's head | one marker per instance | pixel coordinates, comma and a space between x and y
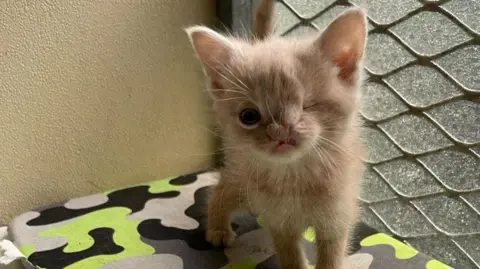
281, 98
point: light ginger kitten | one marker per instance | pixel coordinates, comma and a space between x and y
287, 112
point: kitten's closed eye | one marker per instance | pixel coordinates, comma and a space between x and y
310, 105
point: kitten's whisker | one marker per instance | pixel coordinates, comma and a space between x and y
229, 99
219, 151
336, 169
226, 182
333, 119
269, 111
227, 149
203, 154
243, 95
258, 167
320, 155
331, 162
226, 78
236, 78
228, 90
248, 187
226, 68
242, 87
335, 145
241, 90
211, 131
333, 131
297, 197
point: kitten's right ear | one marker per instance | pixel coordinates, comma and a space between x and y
213, 50
343, 42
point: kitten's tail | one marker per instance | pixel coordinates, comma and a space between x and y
263, 20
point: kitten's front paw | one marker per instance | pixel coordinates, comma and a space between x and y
219, 237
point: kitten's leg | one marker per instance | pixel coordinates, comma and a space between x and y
223, 201
289, 250
331, 252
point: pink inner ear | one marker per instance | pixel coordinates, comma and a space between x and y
212, 49
343, 42
346, 60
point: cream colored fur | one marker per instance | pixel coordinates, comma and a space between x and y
306, 90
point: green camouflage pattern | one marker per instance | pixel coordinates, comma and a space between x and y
161, 225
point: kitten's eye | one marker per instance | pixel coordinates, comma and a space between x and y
249, 116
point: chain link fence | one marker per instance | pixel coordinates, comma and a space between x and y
422, 113
421, 106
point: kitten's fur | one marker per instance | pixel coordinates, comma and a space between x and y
306, 91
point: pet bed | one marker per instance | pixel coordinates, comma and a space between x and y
161, 225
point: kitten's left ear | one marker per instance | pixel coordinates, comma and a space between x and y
343, 42
213, 49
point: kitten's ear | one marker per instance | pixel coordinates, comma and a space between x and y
343, 42
263, 19
213, 49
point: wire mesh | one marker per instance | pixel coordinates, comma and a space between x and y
421, 106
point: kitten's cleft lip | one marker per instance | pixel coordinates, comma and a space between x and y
285, 145
288, 141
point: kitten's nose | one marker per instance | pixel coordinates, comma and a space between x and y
276, 132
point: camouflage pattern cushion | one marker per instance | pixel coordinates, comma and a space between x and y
161, 225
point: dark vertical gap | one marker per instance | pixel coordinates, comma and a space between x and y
218, 157
224, 18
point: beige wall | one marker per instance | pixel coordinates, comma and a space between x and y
97, 95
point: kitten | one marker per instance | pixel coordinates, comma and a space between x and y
287, 111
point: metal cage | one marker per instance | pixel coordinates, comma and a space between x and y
421, 106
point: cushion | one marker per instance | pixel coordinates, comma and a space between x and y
161, 225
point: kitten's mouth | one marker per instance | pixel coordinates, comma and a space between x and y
284, 146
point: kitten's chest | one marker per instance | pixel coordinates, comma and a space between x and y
285, 197
290, 203
300, 195
285, 209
